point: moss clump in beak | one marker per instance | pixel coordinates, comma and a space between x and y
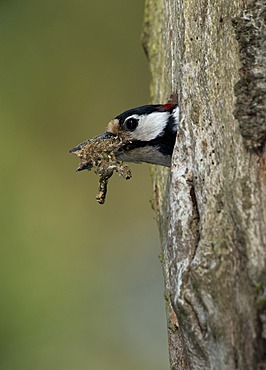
99, 153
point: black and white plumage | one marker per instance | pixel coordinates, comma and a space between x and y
149, 133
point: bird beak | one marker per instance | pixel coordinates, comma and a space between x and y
106, 135
78, 147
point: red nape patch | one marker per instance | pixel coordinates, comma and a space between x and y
166, 107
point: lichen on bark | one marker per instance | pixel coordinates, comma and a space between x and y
211, 207
250, 90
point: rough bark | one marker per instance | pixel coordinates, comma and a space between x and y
211, 206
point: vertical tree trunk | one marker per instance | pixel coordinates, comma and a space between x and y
211, 206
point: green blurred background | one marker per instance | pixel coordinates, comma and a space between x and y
81, 284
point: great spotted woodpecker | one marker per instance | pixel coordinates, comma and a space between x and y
148, 133
143, 134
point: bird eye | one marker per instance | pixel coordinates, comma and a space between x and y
131, 124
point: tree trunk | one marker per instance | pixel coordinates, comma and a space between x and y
211, 206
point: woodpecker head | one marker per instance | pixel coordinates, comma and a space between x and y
148, 132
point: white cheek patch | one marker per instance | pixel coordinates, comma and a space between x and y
176, 115
150, 126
